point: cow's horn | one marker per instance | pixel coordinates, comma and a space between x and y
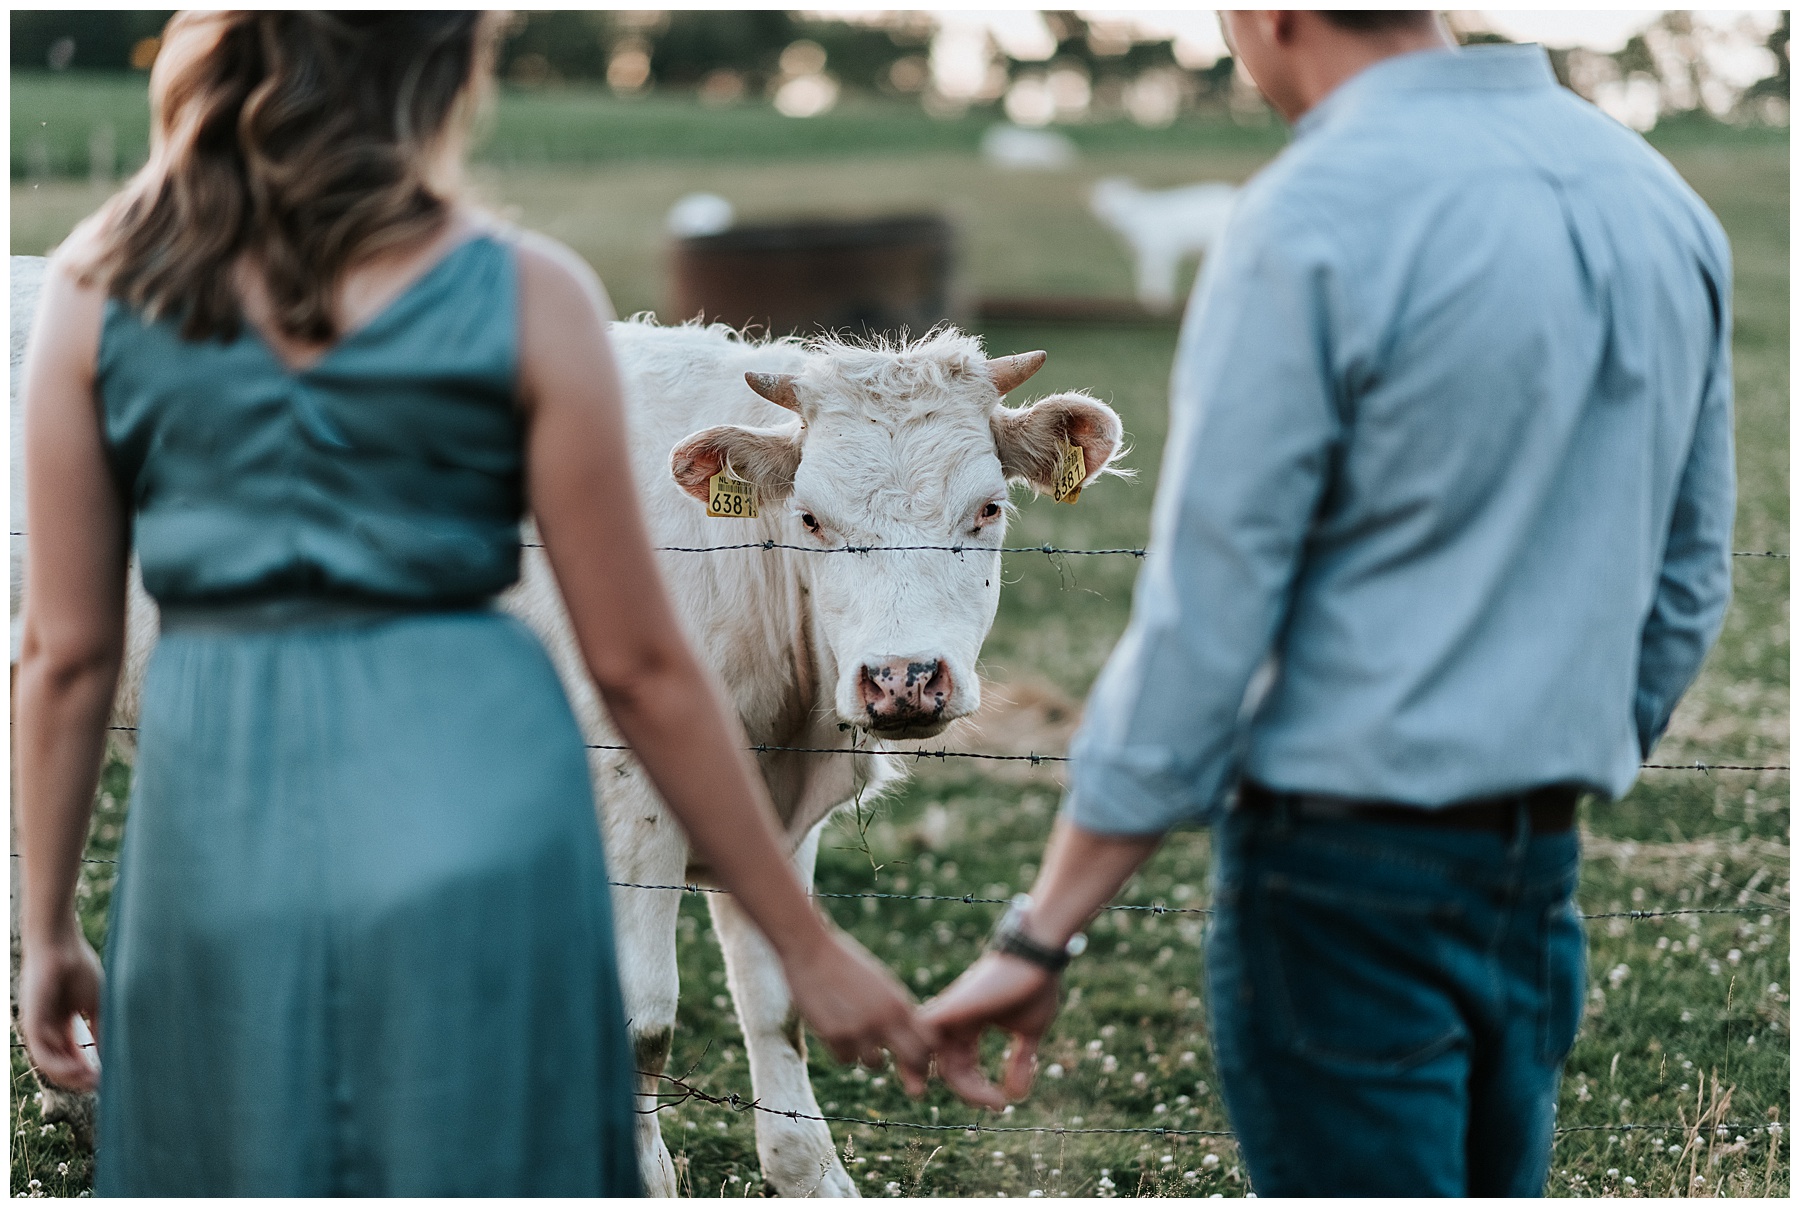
1009, 373
778, 388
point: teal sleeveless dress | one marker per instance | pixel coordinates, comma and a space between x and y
361, 941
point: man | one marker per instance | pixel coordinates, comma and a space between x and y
1442, 534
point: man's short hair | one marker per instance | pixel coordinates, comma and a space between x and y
1379, 21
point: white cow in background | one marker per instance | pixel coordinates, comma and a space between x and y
1162, 227
847, 445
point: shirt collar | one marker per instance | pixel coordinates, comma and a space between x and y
1461, 70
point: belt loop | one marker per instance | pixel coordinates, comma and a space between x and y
1522, 833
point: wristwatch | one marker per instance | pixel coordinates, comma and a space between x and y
1009, 937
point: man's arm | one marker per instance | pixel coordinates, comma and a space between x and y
1695, 585
1255, 419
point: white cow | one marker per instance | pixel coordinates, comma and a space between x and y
1163, 227
847, 445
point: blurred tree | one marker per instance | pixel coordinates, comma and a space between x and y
686, 47
1771, 94
84, 39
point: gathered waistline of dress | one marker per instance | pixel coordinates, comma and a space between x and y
288, 612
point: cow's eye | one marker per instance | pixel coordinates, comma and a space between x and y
991, 511
810, 521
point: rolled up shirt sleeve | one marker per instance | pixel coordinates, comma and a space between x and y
1694, 587
1255, 419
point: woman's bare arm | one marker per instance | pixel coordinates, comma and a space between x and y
663, 701
74, 632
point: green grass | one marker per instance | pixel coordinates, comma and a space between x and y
1681, 839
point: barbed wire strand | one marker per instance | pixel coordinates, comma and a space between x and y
1134, 551
685, 1092
970, 899
944, 753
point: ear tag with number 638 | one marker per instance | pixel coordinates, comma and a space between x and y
1071, 470
730, 497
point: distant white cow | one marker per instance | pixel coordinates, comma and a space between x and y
847, 446
1162, 227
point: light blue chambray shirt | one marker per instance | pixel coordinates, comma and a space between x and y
1450, 456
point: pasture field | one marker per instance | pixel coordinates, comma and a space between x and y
1688, 1016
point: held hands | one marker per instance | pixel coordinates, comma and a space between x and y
60, 979
1000, 991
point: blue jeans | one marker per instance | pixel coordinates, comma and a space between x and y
1391, 1004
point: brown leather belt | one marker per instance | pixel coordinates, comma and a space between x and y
1551, 809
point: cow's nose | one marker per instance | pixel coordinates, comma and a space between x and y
896, 692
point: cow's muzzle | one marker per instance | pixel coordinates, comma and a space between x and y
905, 697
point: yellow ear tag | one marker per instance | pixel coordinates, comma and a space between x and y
1070, 473
727, 496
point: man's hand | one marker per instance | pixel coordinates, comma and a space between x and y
999, 991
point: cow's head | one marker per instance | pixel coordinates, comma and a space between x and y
906, 446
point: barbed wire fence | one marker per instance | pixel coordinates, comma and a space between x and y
682, 1092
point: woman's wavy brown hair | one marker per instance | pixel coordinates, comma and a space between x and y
305, 141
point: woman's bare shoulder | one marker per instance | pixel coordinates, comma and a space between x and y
552, 273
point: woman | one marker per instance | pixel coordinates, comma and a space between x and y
360, 941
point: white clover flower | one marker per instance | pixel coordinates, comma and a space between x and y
1054, 1070
1139, 1078
1190, 1176
1110, 1064
1094, 1046
1734, 956
1188, 1057
1613, 1173
1159, 1109
1210, 1161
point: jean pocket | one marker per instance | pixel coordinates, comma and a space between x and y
1354, 979
1563, 977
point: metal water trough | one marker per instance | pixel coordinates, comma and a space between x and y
857, 277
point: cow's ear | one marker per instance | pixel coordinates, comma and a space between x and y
1030, 439
767, 457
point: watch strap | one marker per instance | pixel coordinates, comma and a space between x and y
1014, 942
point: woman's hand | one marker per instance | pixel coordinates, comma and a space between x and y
999, 991
858, 1008
60, 979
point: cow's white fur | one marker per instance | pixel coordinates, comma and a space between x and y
895, 445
